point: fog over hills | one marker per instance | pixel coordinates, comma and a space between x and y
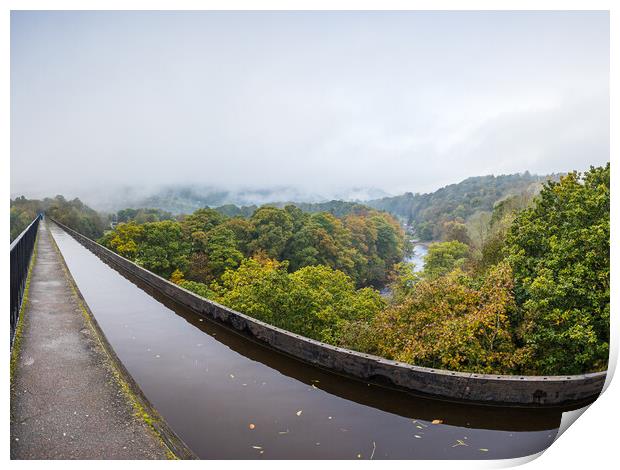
187, 198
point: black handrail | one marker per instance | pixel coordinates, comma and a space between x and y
21, 253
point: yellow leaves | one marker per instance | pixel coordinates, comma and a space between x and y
177, 277
437, 421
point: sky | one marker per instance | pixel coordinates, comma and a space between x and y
317, 101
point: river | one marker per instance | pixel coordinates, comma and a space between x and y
417, 255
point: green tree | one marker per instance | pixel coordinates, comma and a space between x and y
272, 229
315, 301
444, 257
162, 248
219, 247
559, 251
201, 220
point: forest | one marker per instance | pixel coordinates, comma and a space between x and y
517, 284
73, 213
429, 212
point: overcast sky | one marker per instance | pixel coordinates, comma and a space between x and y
321, 101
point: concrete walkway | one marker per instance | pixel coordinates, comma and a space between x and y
66, 402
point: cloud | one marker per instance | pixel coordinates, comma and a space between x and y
320, 102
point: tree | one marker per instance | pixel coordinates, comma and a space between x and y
559, 251
272, 229
124, 239
453, 230
450, 323
243, 230
202, 220
162, 248
444, 257
217, 249
315, 301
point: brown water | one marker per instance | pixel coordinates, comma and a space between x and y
210, 384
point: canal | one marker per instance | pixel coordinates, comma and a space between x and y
229, 397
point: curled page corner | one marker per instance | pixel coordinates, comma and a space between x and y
568, 418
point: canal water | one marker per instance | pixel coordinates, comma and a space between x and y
229, 397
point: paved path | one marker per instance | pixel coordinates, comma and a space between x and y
65, 401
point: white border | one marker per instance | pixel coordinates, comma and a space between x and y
591, 443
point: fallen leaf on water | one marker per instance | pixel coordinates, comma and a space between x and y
232, 376
417, 436
251, 426
314, 386
419, 427
437, 421
257, 447
483, 450
330, 417
299, 413
459, 443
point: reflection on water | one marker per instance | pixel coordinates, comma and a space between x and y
227, 396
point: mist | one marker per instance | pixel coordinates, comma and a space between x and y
314, 104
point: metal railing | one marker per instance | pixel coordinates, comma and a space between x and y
21, 253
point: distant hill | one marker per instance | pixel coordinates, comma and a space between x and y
457, 201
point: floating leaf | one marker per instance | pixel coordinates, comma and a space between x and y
437, 421
257, 447
459, 443
483, 450
299, 413
417, 436
232, 376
